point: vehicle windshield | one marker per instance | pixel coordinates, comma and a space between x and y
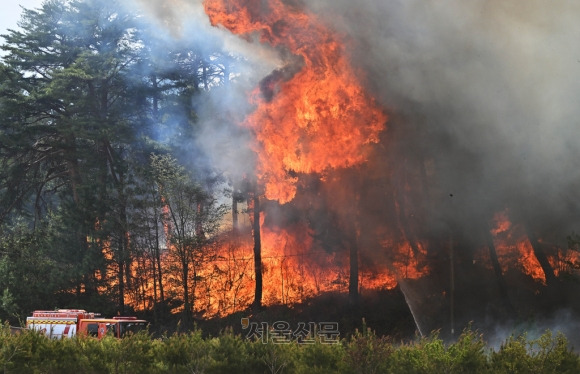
131, 327
93, 329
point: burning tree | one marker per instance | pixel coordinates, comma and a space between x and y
311, 116
192, 222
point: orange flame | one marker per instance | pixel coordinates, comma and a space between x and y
406, 261
514, 248
294, 270
312, 115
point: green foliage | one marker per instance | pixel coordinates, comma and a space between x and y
323, 358
367, 353
28, 271
547, 354
234, 353
132, 354
273, 358
468, 355
9, 348
512, 356
554, 355
31, 352
184, 353
88, 91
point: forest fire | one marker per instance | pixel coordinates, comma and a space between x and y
338, 211
312, 118
343, 207
196, 159
311, 115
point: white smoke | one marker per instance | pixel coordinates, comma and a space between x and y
221, 109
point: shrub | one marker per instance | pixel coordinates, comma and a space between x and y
367, 353
232, 353
183, 353
320, 358
552, 354
275, 358
512, 356
364, 352
468, 354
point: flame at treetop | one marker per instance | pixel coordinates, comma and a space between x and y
312, 115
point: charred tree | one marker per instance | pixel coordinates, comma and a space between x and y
501, 285
541, 256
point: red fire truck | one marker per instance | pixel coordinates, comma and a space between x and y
66, 323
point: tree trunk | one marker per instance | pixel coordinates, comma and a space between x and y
541, 256
353, 296
185, 280
234, 213
502, 287
157, 262
120, 278
257, 304
155, 296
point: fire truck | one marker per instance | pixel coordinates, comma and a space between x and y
66, 323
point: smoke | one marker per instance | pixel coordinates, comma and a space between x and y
220, 141
493, 84
562, 321
483, 99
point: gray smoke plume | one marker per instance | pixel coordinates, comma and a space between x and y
483, 98
494, 84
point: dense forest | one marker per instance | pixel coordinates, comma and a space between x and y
105, 201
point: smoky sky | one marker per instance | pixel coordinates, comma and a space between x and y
494, 85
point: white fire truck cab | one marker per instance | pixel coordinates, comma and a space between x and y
66, 323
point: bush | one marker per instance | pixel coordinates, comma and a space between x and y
183, 353
547, 354
367, 353
468, 354
364, 352
321, 358
553, 355
431, 355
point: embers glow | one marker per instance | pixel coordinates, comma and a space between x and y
312, 115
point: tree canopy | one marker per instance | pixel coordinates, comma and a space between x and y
88, 93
